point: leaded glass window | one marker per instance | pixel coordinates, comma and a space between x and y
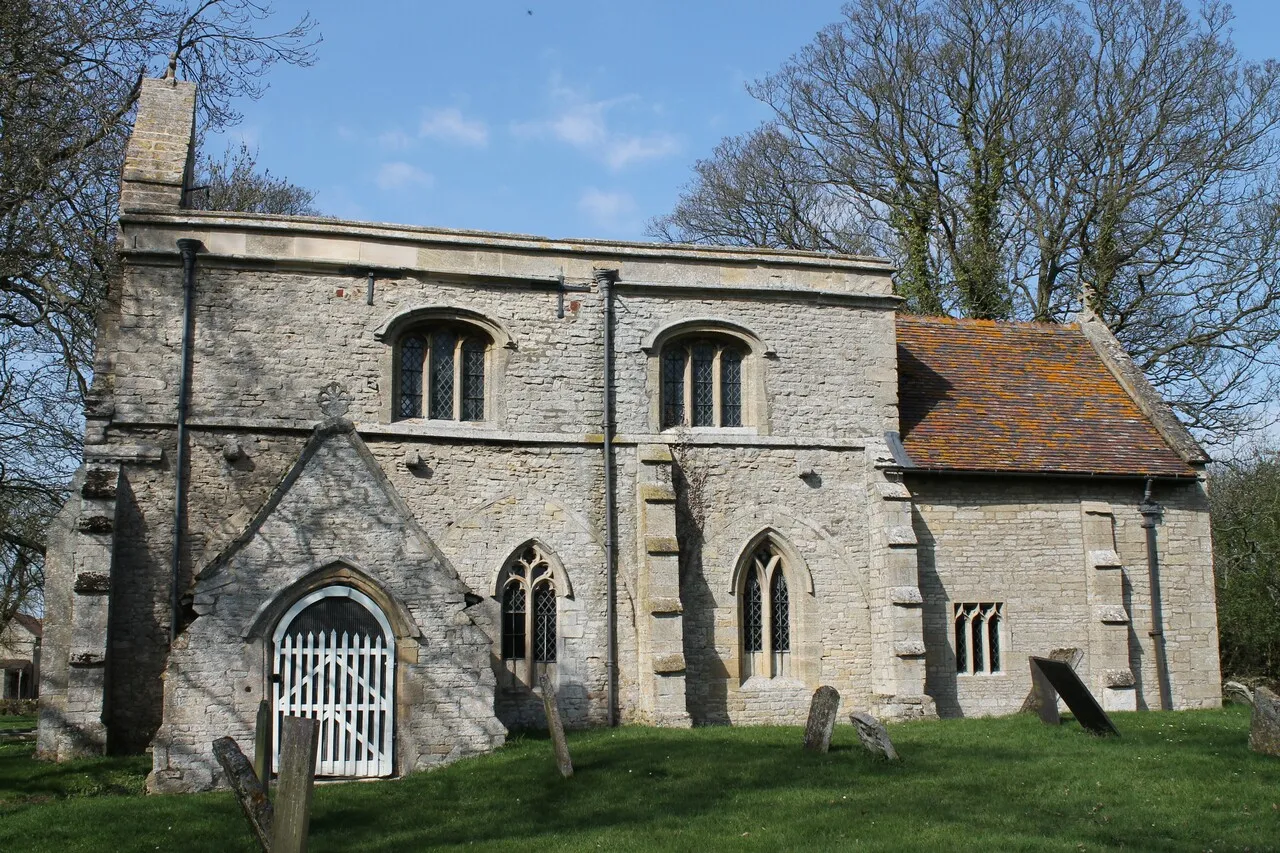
513, 619
544, 623
672, 387
442, 374
443, 344
529, 614
766, 615
413, 352
702, 383
731, 388
780, 608
753, 615
978, 630
473, 380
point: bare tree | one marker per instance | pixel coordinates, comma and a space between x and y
1012, 155
234, 182
69, 82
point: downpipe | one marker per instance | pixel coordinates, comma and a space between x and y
188, 247
605, 279
1152, 514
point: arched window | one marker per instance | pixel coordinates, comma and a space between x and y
702, 382
766, 615
441, 373
529, 614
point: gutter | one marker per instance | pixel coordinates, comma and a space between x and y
188, 247
605, 280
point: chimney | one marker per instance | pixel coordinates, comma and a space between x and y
160, 160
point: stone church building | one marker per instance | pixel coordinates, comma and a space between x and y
392, 476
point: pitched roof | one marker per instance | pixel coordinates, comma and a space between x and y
979, 395
31, 623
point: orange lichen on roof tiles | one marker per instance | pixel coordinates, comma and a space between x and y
979, 395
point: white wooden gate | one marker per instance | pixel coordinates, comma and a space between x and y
335, 662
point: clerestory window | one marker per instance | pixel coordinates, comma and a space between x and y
702, 382
978, 630
529, 614
766, 615
442, 373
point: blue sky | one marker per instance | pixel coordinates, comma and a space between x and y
566, 118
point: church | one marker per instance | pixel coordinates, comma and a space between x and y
399, 478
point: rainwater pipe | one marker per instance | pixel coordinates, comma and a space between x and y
605, 279
1152, 514
188, 247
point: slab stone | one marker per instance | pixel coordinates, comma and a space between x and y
872, 734
1237, 692
822, 719
1264, 725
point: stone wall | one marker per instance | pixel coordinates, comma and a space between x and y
1022, 542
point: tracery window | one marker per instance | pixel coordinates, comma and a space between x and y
978, 628
529, 614
702, 382
442, 373
766, 615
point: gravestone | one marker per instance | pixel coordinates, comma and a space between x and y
1056, 678
249, 792
873, 736
262, 746
1237, 692
822, 719
1035, 701
299, 739
1264, 725
563, 761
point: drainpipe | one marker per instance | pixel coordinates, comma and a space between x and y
605, 280
1152, 513
188, 247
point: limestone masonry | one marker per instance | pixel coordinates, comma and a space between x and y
391, 476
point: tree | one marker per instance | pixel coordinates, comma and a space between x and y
233, 182
69, 82
1015, 157
1245, 502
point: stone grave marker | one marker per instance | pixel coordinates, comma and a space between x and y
249, 792
822, 719
299, 740
872, 734
1264, 725
563, 761
1035, 701
1237, 692
1057, 678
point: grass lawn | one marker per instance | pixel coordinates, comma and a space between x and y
11, 723
1173, 781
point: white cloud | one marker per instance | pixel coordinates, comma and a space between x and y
608, 210
397, 175
632, 149
450, 125
395, 140
584, 124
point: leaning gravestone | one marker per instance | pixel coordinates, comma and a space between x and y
873, 736
1035, 699
1053, 678
563, 761
822, 719
1237, 692
1264, 725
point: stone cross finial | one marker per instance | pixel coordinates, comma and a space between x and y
334, 400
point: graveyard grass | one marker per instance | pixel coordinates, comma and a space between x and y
1172, 781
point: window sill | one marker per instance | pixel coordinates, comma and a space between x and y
763, 684
996, 674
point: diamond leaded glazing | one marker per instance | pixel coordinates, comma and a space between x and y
780, 612
412, 352
544, 623
473, 381
704, 406
441, 402
672, 387
753, 614
730, 388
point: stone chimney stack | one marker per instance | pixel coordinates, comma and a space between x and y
160, 160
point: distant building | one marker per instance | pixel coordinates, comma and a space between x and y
20, 658
411, 470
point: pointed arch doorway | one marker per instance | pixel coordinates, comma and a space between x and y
335, 662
